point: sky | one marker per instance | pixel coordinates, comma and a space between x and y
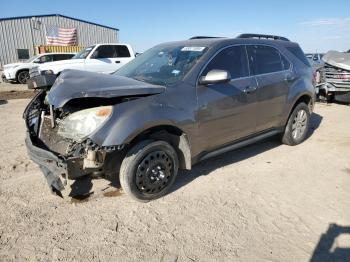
318, 26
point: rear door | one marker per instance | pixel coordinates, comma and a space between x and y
273, 75
227, 111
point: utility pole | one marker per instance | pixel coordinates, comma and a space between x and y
32, 21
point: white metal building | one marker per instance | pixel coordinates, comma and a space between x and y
20, 35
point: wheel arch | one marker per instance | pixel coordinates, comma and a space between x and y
21, 70
174, 136
303, 98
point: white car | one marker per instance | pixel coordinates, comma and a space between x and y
19, 72
101, 58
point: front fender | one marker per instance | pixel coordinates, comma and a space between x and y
130, 119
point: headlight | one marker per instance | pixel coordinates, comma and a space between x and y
82, 123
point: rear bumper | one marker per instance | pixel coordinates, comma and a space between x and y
50, 164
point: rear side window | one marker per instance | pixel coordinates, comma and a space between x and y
62, 57
265, 59
232, 59
298, 53
111, 51
122, 51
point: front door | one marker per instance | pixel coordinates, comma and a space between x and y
227, 111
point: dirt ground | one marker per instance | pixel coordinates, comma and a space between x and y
266, 202
14, 91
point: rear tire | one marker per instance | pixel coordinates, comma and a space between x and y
297, 126
149, 170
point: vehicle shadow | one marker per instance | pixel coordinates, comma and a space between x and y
81, 188
315, 122
206, 167
3, 102
329, 247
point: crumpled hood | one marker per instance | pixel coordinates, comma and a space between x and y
73, 84
337, 59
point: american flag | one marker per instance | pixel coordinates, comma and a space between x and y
61, 36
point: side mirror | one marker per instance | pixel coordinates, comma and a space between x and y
37, 61
215, 76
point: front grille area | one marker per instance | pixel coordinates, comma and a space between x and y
38, 123
340, 78
51, 139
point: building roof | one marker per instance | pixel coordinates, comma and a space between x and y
80, 20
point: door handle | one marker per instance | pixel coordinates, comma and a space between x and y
117, 62
250, 89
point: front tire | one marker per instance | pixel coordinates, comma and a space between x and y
22, 77
149, 170
297, 126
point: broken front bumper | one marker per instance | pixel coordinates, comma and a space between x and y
50, 164
58, 158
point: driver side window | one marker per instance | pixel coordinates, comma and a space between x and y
46, 58
232, 59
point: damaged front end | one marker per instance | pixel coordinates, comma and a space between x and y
59, 158
333, 80
63, 124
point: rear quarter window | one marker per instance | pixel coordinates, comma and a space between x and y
122, 51
299, 54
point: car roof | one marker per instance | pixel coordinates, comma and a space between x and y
211, 42
110, 44
57, 53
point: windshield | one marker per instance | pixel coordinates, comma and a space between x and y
163, 65
31, 59
83, 53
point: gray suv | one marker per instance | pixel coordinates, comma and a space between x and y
175, 105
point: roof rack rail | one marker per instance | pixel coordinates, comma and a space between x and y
203, 37
259, 36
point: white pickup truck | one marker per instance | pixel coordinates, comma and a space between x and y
100, 58
19, 72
